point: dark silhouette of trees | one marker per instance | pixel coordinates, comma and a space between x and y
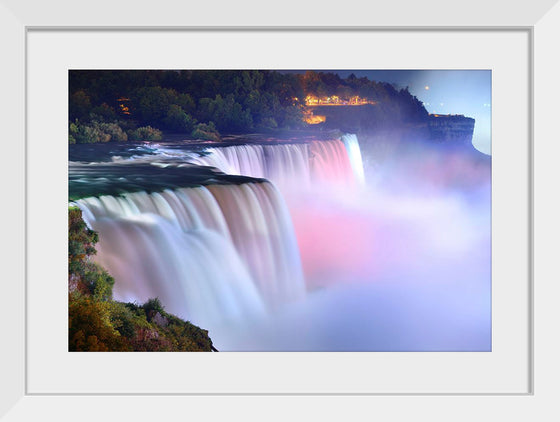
234, 100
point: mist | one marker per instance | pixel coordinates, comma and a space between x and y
400, 263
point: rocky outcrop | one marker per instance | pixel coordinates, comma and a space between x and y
456, 129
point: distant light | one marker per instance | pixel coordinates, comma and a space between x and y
440, 104
426, 87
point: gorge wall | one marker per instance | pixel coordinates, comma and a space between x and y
368, 119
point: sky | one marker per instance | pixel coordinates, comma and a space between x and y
467, 92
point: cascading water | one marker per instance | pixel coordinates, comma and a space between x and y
278, 163
355, 156
220, 253
192, 226
209, 253
330, 163
286, 165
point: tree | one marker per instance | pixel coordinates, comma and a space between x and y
228, 115
178, 120
150, 104
79, 105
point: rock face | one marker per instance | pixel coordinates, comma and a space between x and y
353, 119
456, 129
387, 137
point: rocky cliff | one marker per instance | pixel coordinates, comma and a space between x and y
455, 130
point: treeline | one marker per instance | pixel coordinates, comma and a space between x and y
98, 323
204, 104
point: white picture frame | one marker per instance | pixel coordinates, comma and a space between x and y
540, 20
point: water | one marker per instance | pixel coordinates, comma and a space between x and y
291, 246
221, 249
209, 253
355, 156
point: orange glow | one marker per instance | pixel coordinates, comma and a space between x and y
311, 119
124, 109
447, 115
334, 100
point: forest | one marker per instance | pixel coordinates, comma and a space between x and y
145, 105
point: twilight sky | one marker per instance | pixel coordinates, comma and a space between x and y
467, 92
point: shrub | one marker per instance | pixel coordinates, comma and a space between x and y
89, 326
145, 133
114, 131
206, 131
81, 241
95, 132
152, 306
98, 282
87, 134
90, 135
124, 320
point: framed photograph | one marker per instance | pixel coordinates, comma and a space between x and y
464, 374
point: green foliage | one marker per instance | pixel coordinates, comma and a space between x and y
268, 123
81, 241
145, 133
88, 134
206, 131
98, 282
179, 121
89, 326
264, 106
151, 103
228, 114
89, 277
126, 320
235, 100
97, 323
95, 132
103, 113
152, 306
293, 117
113, 130
79, 104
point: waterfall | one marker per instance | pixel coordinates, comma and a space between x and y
211, 253
330, 163
355, 156
302, 164
214, 253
